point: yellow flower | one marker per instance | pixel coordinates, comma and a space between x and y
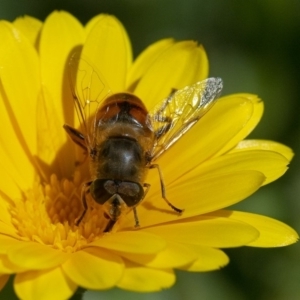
209, 169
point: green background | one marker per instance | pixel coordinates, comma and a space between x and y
254, 46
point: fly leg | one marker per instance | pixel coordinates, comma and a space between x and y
147, 187
136, 219
109, 225
114, 211
79, 139
163, 190
84, 191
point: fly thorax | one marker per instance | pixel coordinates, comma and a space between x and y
120, 158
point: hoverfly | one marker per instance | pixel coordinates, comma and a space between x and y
123, 139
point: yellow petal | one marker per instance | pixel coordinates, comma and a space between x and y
5, 212
15, 65
7, 242
44, 285
273, 165
264, 145
61, 34
180, 65
6, 229
250, 123
211, 134
142, 279
36, 256
92, 22
273, 233
209, 259
93, 268
145, 60
10, 185
7, 267
3, 280
18, 63
132, 242
215, 232
107, 50
5, 220
215, 191
30, 27
173, 256
17, 170
197, 196
53, 147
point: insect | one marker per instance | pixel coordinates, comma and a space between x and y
123, 140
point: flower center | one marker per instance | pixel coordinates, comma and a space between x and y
48, 214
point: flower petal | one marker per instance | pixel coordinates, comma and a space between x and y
61, 34
93, 268
35, 256
173, 256
209, 259
142, 279
19, 61
44, 285
273, 233
7, 242
30, 27
92, 22
17, 58
5, 214
17, 170
249, 125
145, 60
209, 136
215, 232
7, 267
107, 51
131, 242
246, 145
10, 186
51, 139
215, 191
8, 230
180, 65
197, 196
273, 165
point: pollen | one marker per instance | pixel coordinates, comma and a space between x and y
47, 214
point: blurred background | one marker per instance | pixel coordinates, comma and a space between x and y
255, 47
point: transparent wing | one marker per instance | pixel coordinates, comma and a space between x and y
89, 89
172, 118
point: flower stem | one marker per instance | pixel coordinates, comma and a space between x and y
78, 294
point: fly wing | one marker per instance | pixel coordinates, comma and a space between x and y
172, 118
89, 89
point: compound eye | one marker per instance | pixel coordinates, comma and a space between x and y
131, 192
102, 189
